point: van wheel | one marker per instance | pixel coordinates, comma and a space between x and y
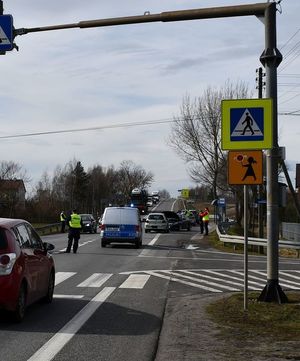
103, 244
19, 312
137, 243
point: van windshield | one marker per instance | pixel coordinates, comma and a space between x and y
3, 239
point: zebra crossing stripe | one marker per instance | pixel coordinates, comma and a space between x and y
216, 278
71, 297
183, 282
135, 281
258, 284
283, 283
95, 280
289, 275
202, 281
62, 276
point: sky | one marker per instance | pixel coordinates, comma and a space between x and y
108, 76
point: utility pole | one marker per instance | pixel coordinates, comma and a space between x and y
260, 85
271, 58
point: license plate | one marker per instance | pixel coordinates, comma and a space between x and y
114, 229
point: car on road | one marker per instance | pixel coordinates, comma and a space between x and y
156, 222
177, 223
27, 271
188, 215
121, 225
89, 223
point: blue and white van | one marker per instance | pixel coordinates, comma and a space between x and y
121, 225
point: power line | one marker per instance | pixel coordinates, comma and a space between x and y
112, 126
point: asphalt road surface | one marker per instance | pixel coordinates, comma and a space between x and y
109, 302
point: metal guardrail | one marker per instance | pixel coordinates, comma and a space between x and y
49, 228
226, 238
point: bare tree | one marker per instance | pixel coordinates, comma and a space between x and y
131, 175
11, 170
196, 135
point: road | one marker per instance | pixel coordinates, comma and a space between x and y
109, 302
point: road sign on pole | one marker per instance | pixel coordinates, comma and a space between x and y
245, 167
247, 124
6, 33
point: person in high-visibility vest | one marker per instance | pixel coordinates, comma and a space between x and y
205, 219
75, 225
63, 221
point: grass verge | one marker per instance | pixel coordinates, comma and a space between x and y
279, 322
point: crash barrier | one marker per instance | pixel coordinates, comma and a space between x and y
226, 238
48, 229
290, 231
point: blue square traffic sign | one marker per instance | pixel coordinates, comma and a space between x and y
247, 124
6, 33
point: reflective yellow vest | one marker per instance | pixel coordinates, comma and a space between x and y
206, 217
75, 221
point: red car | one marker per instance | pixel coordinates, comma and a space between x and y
27, 271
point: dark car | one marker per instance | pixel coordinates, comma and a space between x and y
177, 223
89, 223
27, 271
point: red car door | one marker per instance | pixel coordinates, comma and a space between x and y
31, 263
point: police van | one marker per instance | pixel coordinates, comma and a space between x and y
121, 225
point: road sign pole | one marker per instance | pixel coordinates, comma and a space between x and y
245, 248
271, 58
1, 7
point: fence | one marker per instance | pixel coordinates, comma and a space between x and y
290, 231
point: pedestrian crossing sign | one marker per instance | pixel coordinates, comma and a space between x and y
247, 124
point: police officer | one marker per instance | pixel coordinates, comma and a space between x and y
63, 221
74, 221
205, 219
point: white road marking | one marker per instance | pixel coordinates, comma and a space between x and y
216, 278
72, 297
213, 284
135, 281
62, 276
95, 280
258, 284
153, 241
191, 247
289, 275
51, 348
197, 236
284, 283
184, 282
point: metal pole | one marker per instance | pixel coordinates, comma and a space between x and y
271, 58
259, 187
1, 7
245, 248
167, 16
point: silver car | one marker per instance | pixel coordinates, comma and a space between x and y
156, 222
